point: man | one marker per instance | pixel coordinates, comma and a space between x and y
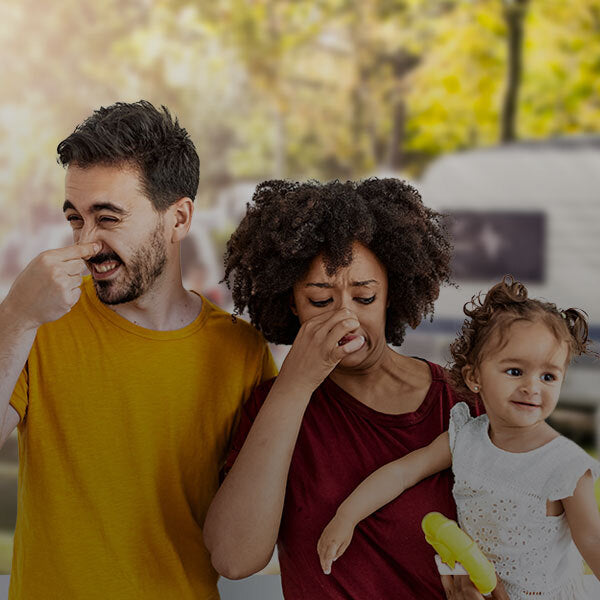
125, 386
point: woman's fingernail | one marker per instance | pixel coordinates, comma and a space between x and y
354, 344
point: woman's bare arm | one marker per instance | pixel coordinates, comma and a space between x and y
242, 523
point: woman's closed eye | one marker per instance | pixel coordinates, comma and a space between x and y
321, 303
359, 299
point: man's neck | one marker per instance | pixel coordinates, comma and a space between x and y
166, 306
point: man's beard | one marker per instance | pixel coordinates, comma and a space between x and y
140, 273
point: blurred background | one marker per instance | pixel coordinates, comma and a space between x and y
491, 108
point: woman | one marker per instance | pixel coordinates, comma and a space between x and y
338, 270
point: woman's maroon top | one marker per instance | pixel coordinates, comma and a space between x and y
341, 442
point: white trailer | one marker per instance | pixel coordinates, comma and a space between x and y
537, 205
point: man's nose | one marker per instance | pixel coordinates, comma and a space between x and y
87, 233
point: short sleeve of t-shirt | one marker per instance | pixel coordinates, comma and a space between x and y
574, 463
460, 415
249, 411
20, 396
269, 368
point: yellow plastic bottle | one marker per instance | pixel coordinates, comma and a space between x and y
454, 545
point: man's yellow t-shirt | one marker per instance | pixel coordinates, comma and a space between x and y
123, 432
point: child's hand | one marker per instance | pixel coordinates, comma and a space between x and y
333, 541
460, 587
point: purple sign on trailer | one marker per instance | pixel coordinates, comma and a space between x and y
490, 244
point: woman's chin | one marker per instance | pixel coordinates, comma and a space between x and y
356, 358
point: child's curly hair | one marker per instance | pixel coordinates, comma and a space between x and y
288, 224
505, 303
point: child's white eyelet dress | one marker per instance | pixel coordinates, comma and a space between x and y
501, 502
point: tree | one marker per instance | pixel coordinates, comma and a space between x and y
294, 88
514, 13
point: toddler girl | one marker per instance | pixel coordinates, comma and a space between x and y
523, 492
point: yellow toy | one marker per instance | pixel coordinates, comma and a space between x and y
454, 545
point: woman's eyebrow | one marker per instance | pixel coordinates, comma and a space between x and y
364, 283
330, 285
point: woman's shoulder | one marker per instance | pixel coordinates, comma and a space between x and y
422, 368
441, 386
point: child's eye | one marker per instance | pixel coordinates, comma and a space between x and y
320, 303
514, 372
365, 300
548, 377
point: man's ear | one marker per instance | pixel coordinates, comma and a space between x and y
293, 304
181, 213
471, 377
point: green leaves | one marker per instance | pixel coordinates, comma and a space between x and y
297, 88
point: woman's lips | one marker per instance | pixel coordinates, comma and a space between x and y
347, 338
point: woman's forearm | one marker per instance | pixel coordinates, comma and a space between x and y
243, 520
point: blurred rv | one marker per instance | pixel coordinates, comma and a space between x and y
530, 209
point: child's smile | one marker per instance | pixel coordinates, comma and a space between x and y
520, 380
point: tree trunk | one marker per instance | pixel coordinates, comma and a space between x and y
514, 14
280, 147
396, 140
403, 63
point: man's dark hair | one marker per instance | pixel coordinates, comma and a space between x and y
289, 224
143, 137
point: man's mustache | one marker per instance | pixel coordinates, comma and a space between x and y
105, 256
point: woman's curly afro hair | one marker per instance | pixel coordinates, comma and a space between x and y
288, 224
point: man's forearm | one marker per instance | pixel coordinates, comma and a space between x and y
16, 340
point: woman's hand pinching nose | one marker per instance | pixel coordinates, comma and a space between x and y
351, 343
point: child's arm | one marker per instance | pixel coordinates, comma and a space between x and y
583, 517
378, 489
